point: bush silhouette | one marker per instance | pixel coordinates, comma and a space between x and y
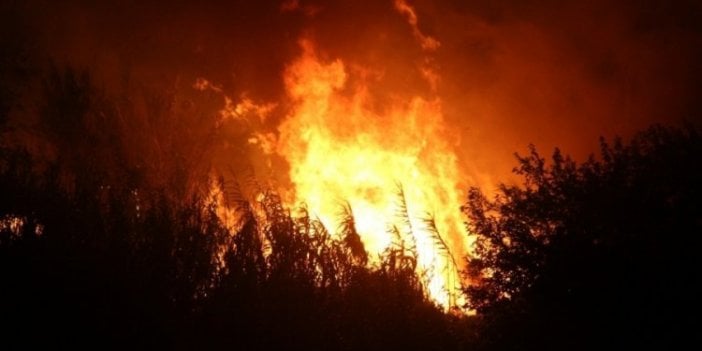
600, 254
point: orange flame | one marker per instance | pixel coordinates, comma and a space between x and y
342, 149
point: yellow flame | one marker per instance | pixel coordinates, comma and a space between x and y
342, 149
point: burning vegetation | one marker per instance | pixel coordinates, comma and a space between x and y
390, 171
319, 190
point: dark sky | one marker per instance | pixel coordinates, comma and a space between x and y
552, 73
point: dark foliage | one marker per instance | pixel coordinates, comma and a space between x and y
597, 255
104, 246
110, 237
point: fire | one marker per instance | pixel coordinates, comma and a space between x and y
341, 147
390, 159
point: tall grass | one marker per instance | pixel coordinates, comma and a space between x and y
123, 239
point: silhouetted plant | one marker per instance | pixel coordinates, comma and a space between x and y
117, 234
594, 254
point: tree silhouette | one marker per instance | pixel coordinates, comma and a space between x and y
600, 254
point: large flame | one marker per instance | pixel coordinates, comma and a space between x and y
342, 148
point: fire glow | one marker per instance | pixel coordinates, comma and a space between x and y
339, 149
390, 159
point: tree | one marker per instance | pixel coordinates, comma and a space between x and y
602, 253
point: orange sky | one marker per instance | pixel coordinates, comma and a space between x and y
511, 72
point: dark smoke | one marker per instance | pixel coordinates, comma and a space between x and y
513, 73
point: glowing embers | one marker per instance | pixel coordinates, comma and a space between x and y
17, 226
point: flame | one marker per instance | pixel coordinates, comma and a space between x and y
340, 148
425, 41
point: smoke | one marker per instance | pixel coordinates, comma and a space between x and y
562, 74
511, 73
